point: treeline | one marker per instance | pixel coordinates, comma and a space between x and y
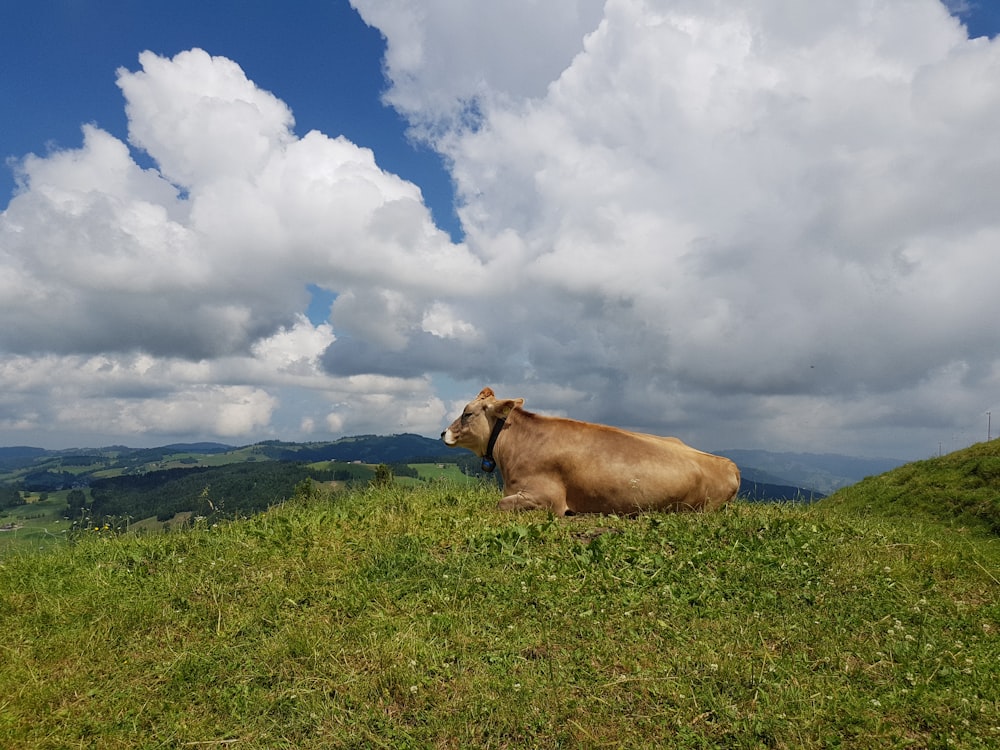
49, 481
223, 491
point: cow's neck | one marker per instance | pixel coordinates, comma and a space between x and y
489, 463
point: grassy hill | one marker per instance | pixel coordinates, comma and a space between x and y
959, 488
423, 617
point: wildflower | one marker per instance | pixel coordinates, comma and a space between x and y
413, 689
877, 703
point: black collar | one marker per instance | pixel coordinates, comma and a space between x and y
489, 464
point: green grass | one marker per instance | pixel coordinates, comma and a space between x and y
436, 473
960, 488
425, 618
42, 524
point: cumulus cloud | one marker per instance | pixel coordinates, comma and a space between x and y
279, 389
718, 200
446, 59
744, 223
214, 248
168, 300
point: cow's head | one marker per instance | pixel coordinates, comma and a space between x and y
472, 429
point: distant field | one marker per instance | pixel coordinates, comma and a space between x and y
444, 472
430, 473
42, 524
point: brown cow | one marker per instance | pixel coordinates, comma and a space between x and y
570, 467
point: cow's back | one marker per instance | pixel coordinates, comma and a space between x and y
607, 470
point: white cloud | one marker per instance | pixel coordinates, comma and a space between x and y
278, 389
441, 321
447, 59
732, 199
126, 396
223, 411
213, 249
201, 119
744, 223
199, 268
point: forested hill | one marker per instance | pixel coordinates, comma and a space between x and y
41, 470
369, 449
221, 491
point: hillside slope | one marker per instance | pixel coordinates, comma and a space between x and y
426, 618
960, 487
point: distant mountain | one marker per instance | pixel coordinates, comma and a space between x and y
208, 448
764, 492
368, 449
21, 451
822, 472
19, 455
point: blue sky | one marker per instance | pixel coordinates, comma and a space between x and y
744, 224
982, 18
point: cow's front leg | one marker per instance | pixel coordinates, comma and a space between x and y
525, 500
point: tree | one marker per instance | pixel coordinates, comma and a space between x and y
76, 499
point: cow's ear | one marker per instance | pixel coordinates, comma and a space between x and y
486, 393
502, 409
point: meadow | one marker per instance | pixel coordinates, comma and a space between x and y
422, 617
38, 525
